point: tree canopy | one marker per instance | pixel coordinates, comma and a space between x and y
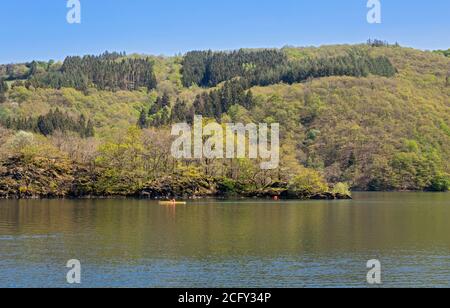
268, 67
109, 71
54, 121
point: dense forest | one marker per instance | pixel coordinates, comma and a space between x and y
109, 71
212, 104
270, 67
52, 122
373, 116
207, 68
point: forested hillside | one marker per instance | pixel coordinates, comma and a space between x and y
109, 71
372, 116
269, 67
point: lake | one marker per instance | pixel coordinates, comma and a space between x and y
208, 243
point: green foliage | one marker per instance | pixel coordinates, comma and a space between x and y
161, 103
308, 183
29, 146
21, 141
142, 122
347, 121
379, 43
123, 163
211, 104
342, 189
180, 112
354, 64
3, 90
314, 106
375, 133
51, 122
207, 68
159, 113
19, 71
227, 186
269, 67
445, 53
414, 171
106, 72
216, 102
190, 171
440, 182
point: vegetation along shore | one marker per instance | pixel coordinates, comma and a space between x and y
370, 117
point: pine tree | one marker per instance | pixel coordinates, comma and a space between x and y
156, 106
90, 129
248, 102
45, 126
142, 122
165, 101
165, 116
179, 112
104, 72
3, 90
51, 122
81, 124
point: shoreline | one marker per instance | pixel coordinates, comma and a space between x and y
217, 198
196, 198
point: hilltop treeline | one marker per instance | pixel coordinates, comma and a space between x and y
52, 122
18, 71
443, 52
208, 69
380, 43
115, 71
267, 67
356, 65
106, 72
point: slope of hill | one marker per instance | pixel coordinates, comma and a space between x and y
377, 118
375, 132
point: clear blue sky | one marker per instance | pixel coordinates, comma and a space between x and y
37, 29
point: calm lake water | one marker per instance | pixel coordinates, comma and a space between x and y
135, 243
